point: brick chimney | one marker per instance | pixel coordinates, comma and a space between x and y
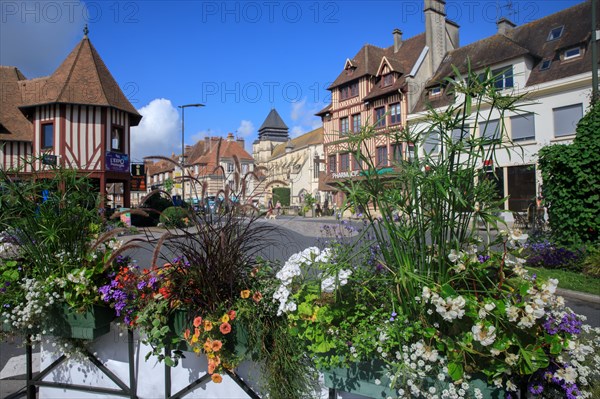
505, 25
435, 31
229, 136
397, 33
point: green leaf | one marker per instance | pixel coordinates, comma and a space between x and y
455, 370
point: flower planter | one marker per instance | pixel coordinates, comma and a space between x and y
361, 379
91, 324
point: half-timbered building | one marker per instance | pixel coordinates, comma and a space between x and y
78, 116
378, 87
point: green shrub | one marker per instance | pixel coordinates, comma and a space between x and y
175, 217
571, 179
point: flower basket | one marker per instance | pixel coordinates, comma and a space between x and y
91, 324
360, 379
369, 379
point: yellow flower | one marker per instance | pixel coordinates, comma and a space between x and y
216, 378
208, 325
245, 294
225, 318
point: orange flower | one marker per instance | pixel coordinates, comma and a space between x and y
207, 346
245, 294
186, 334
254, 272
225, 318
211, 367
196, 332
216, 378
257, 297
232, 314
216, 345
225, 328
208, 325
197, 321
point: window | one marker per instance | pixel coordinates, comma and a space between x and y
491, 130
382, 156
395, 114
229, 167
572, 53
356, 123
566, 119
497, 178
116, 139
344, 125
503, 77
355, 163
432, 142
545, 65
555, 33
316, 168
344, 162
331, 163
410, 151
380, 117
397, 152
435, 91
460, 134
348, 91
244, 168
523, 127
388, 80
47, 135
521, 187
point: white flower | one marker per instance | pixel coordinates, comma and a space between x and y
568, 374
511, 359
485, 336
511, 386
512, 312
454, 255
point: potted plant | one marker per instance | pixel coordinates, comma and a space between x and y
55, 256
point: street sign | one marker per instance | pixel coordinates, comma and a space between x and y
138, 183
138, 169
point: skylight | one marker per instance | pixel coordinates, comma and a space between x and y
572, 53
555, 33
545, 65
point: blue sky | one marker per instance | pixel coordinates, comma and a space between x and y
240, 58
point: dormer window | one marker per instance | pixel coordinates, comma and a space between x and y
348, 91
545, 65
555, 33
388, 80
572, 53
435, 91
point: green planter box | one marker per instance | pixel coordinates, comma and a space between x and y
91, 324
360, 379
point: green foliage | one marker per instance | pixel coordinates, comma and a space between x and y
426, 206
591, 263
175, 217
572, 183
168, 185
281, 194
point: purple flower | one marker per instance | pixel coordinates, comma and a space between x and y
536, 389
482, 258
141, 285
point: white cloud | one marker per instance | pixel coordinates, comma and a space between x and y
36, 36
159, 131
304, 117
245, 129
297, 131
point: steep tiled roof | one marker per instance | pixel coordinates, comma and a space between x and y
14, 126
82, 78
194, 152
369, 58
273, 121
529, 40
161, 166
226, 150
324, 110
311, 138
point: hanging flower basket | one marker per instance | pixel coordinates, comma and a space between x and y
370, 380
88, 325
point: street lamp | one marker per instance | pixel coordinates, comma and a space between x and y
183, 107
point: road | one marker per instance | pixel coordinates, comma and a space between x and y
292, 235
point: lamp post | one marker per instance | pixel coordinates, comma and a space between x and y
183, 107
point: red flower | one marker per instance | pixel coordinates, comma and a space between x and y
225, 328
